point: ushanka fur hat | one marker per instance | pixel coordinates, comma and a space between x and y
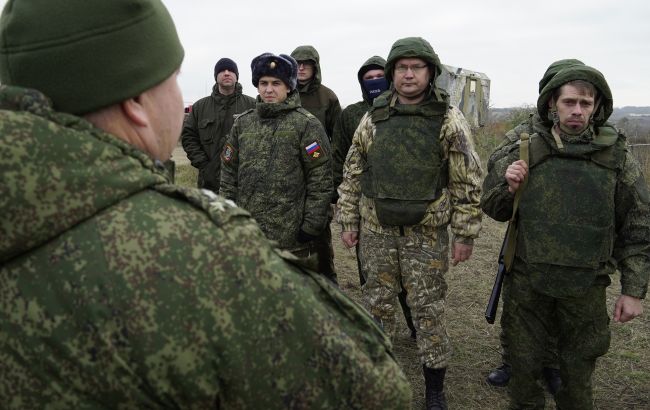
281, 66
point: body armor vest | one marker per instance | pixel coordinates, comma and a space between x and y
567, 211
405, 167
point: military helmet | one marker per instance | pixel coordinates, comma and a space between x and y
579, 72
412, 47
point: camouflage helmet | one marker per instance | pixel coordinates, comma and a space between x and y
412, 47
579, 72
554, 68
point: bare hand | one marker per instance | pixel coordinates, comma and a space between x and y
460, 252
350, 238
627, 308
515, 175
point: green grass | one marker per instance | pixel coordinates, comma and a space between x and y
186, 175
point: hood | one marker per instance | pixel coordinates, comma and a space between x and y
58, 171
579, 72
555, 68
413, 47
374, 62
302, 53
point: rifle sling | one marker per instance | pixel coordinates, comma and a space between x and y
511, 240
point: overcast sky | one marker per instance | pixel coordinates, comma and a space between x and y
512, 42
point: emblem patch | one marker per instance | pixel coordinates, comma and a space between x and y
313, 150
228, 153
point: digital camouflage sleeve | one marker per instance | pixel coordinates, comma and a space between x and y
119, 290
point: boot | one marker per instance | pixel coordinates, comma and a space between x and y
434, 380
500, 376
552, 378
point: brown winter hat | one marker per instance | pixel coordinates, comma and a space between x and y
87, 54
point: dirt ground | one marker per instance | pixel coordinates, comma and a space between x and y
179, 156
622, 378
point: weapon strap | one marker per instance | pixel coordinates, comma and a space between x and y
511, 240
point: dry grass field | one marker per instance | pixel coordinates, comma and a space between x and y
622, 377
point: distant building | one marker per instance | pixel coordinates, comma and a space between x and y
469, 91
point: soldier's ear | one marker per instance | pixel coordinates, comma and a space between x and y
135, 111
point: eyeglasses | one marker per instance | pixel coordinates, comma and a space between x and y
415, 68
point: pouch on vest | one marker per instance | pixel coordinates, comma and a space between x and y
405, 168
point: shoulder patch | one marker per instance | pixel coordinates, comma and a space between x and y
248, 111
314, 150
228, 153
304, 112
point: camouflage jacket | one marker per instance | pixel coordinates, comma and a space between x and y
630, 253
205, 130
119, 290
458, 205
277, 165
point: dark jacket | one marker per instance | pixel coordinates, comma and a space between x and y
205, 130
348, 123
314, 96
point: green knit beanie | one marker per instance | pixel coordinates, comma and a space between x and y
87, 54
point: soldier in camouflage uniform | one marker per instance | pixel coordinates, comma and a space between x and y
501, 375
121, 290
583, 213
412, 171
277, 160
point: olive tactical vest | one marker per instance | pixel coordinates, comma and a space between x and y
405, 167
566, 215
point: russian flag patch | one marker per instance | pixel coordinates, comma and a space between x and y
313, 150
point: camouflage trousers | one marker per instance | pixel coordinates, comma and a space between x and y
530, 319
417, 262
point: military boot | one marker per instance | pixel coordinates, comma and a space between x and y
552, 378
500, 376
434, 380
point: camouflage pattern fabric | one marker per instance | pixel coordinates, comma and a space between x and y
418, 263
277, 165
542, 300
457, 205
119, 290
631, 248
205, 130
582, 327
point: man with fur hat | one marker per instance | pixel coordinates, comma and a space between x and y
581, 209
210, 120
277, 160
119, 289
411, 171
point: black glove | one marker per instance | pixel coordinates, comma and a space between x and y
304, 237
